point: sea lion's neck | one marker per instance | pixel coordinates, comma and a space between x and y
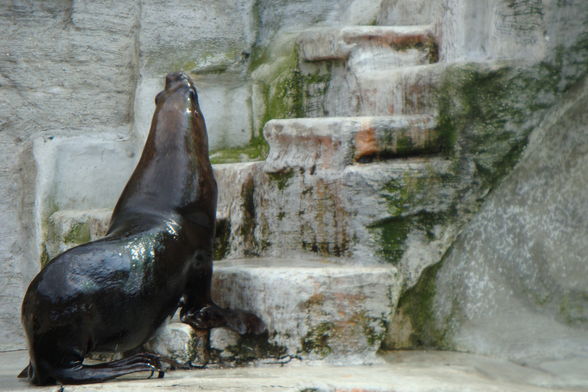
174, 172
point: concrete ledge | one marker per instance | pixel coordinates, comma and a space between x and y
406, 90
314, 309
414, 371
337, 43
335, 142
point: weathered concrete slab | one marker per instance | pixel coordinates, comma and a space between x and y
331, 143
414, 371
313, 308
399, 45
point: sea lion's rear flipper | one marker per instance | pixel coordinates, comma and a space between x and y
83, 374
79, 373
213, 316
26, 372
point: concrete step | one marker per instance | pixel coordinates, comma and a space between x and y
336, 142
409, 90
69, 228
385, 46
381, 92
365, 213
314, 309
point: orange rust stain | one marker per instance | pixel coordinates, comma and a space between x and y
366, 143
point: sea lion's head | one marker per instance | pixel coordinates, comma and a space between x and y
179, 94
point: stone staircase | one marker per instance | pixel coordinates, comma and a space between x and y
351, 204
342, 197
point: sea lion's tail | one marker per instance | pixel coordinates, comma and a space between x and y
26, 372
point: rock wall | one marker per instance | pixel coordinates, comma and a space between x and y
513, 283
65, 69
521, 263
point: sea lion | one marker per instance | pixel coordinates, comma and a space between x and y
114, 293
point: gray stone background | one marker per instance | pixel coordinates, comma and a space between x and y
77, 81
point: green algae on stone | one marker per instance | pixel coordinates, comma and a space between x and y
374, 329
256, 150
78, 234
288, 91
281, 179
44, 258
391, 235
250, 348
316, 341
222, 235
486, 113
247, 228
417, 303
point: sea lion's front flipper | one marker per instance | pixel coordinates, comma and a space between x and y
213, 316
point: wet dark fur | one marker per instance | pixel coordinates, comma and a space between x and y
112, 294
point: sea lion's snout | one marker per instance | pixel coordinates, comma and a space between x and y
179, 82
177, 77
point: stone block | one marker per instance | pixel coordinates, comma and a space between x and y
405, 90
180, 343
364, 213
199, 37
314, 309
77, 173
224, 101
385, 45
69, 228
335, 142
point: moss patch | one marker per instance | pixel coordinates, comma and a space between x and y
222, 235
44, 259
78, 234
373, 329
289, 92
256, 150
316, 341
486, 115
247, 228
418, 304
391, 234
281, 179
248, 349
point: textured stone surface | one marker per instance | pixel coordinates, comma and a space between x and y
520, 266
63, 65
368, 213
212, 41
370, 71
410, 371
313, 309
286, 15
77, 173
335, 142
406, 90
401, 45
69, 228
180, 343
